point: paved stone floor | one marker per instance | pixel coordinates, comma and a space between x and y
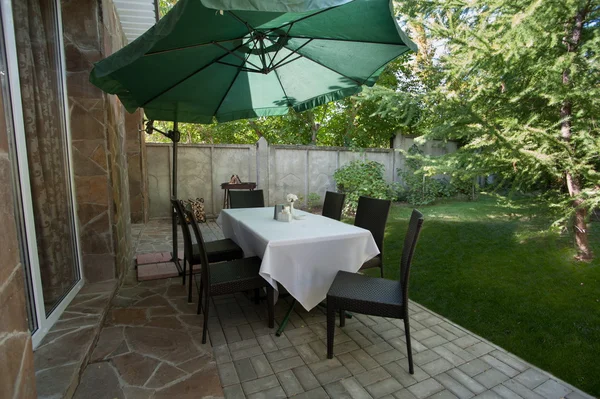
150, 348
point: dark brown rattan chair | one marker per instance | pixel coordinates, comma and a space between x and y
246, 199
375, 296
372, 214
218, 251
227, 278
333, 205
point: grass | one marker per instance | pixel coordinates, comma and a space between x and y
496, 270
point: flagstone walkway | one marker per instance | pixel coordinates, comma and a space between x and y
150, 348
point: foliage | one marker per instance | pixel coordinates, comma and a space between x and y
518, 85
313, 201
361, 178
494, 267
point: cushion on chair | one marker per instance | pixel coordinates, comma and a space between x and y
236, 270
353, 286
219, 251
371, 263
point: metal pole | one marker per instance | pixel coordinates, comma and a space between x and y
175, 140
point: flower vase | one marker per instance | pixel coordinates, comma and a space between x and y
292, 209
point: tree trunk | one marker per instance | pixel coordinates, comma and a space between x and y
571, 41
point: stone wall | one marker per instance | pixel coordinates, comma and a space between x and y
17, 378
136, 162
277, 169
92, 31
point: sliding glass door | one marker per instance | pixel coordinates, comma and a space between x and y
43, 179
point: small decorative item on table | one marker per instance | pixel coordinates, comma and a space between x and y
291, 198
284, 215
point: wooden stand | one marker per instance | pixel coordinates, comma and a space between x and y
229, 186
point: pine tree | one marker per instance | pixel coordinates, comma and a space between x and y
518, 83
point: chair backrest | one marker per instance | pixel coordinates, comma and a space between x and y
372, 214
187, 237
410, 242
333, 205
202, 247
246, 199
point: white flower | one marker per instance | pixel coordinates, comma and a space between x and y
291, 198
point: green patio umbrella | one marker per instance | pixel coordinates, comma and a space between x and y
236, 59
199, 63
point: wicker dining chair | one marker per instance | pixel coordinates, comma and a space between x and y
375, 296
333, 205
372, 214
218, 250
246, 199
227, 278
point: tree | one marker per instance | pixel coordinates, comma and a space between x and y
518, 83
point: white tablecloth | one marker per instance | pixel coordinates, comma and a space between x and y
303, 255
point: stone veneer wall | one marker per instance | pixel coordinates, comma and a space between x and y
136, 158
92, 31
17, 378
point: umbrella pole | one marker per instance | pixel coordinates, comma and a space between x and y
174, 136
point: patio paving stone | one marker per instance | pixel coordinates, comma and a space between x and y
247, 360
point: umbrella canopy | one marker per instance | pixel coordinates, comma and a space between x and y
198, 63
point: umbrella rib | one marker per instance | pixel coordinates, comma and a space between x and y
282, 88
191, 46
288, 56
246, 24
189, 76
346, 40
303, 18
229, 88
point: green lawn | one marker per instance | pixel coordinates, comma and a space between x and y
495, 270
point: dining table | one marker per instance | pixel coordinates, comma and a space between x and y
304, 255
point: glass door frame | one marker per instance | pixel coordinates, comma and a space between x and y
44, 321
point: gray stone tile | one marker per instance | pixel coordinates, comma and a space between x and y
332, 375
505, 393
509, 359
261, 365
378, 348
454, 386
425, 357
404, 394
244, 369
474, 367
445, 394
488, 395
221, 354
267, 344
400, 374
372, 376
579, 395
248, 343
234, 392
247, 352
388, 356
281, 354
317, 393
260, 384
434, 341
271, 393
324, 365
499, 365
436, 367
290, 383
306, 378
466, 341
287, 364
521, 389
425, 388
228, 374
447, 354
479, 349
307, 353
490, 378
364, 359
552, 390
351, 363
532, 378
467, 381
354, 389
382, 388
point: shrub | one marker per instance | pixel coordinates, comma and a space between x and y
313, 201
362, 178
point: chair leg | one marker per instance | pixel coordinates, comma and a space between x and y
205, 326
256, 296
411, 369
271, 305
330, 328
190, 283
200, 294
342, 317
381, 269
183, 272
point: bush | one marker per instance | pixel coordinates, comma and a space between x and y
362, 178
